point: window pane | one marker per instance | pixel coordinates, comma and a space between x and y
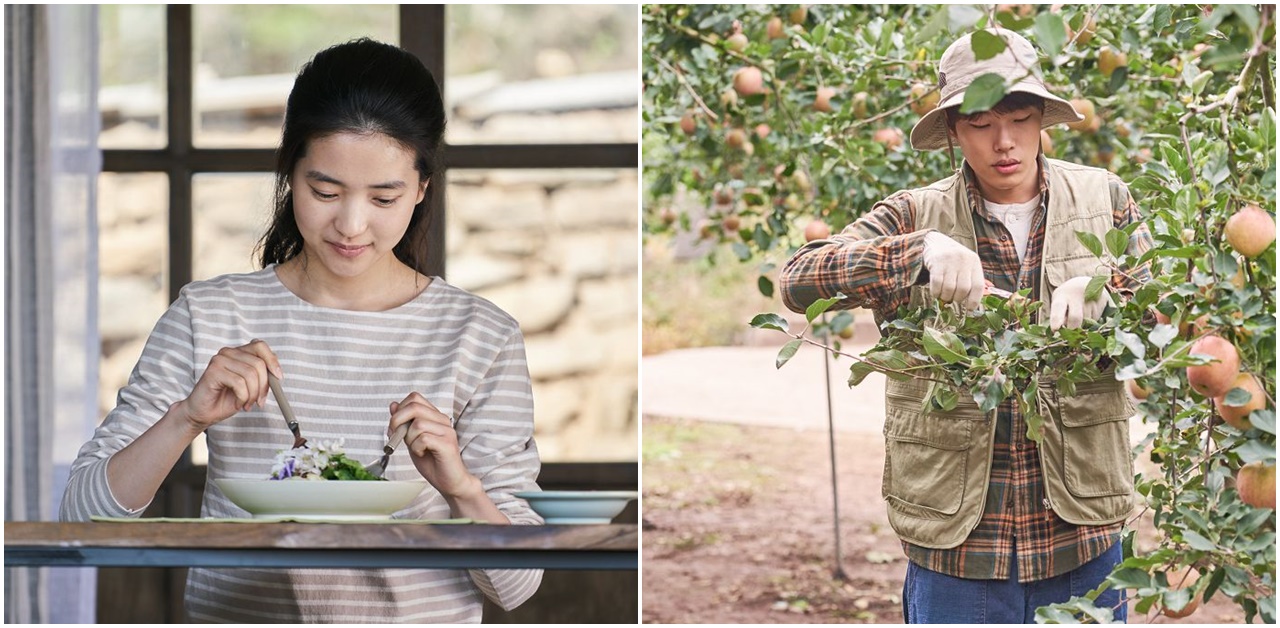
557, 249
131, 94
524, 74
246, 57
230, 214
132, 255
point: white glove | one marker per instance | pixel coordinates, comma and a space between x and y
1069, 306
955, 272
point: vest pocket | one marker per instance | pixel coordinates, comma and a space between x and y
1095, 442
926, 458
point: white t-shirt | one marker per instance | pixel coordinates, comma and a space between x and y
1017, 218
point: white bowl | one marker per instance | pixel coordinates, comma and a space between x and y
320, 499
570, 507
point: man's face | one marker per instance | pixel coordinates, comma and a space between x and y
1001, 148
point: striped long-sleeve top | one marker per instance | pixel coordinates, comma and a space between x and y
875, 261
342, 369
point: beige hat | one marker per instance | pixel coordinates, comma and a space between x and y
959, 68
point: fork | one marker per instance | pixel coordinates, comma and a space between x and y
380, 466
286, 410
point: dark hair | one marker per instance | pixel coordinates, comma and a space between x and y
1011, 102
362, 86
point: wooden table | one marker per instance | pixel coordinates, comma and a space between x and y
287, 544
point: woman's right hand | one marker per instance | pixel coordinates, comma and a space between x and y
236, 380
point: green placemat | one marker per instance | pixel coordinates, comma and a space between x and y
275, 520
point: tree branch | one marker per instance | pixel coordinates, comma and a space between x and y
685, 82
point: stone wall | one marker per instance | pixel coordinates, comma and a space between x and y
559, 250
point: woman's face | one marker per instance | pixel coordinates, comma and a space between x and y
353, 196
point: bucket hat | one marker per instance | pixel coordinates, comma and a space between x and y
959, 68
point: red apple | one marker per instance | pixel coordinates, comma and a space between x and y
816, 230
776, 29
748, 81
1256, 483
1138, 390
689, 124
1238, 416
822, 102
891, 137
1215, 378
1250, 231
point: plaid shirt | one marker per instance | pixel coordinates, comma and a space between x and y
874, 261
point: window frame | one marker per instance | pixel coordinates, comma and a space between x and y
421, 32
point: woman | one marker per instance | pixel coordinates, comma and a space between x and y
363, 341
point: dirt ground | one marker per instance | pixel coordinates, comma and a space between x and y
737, 528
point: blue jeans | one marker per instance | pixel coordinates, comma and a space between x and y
929, 597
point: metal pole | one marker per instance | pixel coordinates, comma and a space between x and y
838, 573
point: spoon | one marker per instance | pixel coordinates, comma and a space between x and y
290, 419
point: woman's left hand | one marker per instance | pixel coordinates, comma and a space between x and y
433, 446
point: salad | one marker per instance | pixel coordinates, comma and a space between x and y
320, 460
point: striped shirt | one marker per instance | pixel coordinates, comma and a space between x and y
342, 369
875, 261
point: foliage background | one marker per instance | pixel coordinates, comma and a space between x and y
1187, 120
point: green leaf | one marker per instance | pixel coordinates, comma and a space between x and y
1198, 542
1130, 578
819, 34
1215, 581
961, 16
1254, 450
742, 251
1199, 82
1012, 22
1117, 243
761, 239
770, 321
945, 398
788, 351
1225, 264
937, 24
983, 93
1237, 397
1132, 342
1054, 615
1162, 335
816, 308
992, 393
859, 372
765, 285
1264, 420
889, 358
986, 45
1090, 242
1035, 427
1247, 14
1099, 590
1006, 342
943, 345
1050, 33
1162, 17
1253, 520
1177, 599
1094, 288
841, 321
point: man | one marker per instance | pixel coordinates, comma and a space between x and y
993, 525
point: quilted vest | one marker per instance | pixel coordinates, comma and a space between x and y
937, 465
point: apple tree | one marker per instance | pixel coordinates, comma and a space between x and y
766, 123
